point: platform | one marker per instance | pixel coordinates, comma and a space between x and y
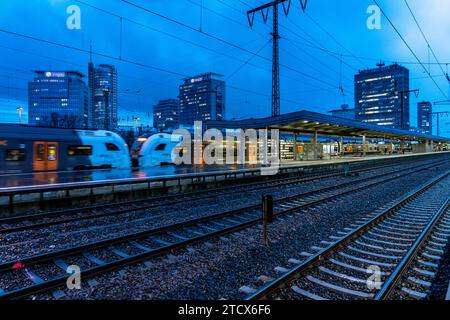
28, 193
20, 180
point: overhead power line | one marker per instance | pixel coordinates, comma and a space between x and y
246, 62
264, 10
426, 40
409, 47
136, 63
334, 38
230, 56
338, 54
214, 37
320, 62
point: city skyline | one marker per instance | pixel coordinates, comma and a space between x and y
141, 87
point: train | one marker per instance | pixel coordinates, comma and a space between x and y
37, 149
154, 149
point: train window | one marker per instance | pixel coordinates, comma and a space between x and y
52, 152
111, 147
161, 147
40, 152
15, 155
79, 151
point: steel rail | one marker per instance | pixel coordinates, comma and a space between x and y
156, 205
162, 183
281, 281
57, 281
265, 184
391, 283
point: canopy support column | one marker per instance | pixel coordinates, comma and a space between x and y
316, 156
265, 147
295, 147
364, 146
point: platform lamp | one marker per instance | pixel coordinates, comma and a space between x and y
20, 110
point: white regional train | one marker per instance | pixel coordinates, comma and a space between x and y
153, 150
35, 149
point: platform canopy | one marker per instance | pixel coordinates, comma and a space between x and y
310, 122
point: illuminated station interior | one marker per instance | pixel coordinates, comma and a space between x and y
309, 136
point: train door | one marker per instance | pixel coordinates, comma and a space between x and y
45, 156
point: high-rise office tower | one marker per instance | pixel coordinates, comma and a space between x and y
58, 99
202, 98
103, 96
381, 98
425, 117
166, 114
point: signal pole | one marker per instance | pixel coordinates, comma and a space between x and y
264, 9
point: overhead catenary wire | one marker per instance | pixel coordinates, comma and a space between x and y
246, 62
304, 74
337, 54
136, 63
212, 36
321, 63
409, 47
334, 38
430, 49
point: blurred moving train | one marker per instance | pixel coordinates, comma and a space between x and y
153, 150
37, 149
28, 149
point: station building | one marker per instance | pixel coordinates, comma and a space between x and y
309, 136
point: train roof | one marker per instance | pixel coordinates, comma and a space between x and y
32, 132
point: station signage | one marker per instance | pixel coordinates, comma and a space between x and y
194, 80
55, 74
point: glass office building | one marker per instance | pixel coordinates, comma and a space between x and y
379, 98
58, 99
202, 98
103, 96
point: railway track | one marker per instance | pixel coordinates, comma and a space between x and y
42, 220
393, 255
39, 273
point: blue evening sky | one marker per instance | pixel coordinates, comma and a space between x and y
156, 53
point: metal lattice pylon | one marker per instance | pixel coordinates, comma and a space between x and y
264, 9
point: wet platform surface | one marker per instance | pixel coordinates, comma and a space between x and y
49, 178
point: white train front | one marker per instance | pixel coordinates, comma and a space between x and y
152, 150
